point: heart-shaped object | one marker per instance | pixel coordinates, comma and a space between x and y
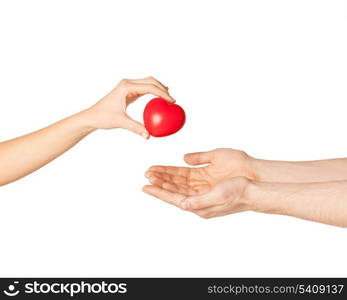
162, 118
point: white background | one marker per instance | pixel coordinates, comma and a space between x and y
268, 77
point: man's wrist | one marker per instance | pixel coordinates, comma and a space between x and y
263, 196
285, 171
251, 194
254, 167
262, 169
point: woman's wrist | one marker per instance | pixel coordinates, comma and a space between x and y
84, 121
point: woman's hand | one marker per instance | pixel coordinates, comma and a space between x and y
25, 154
110, 111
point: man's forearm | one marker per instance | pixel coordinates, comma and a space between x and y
306, 171
322, 202
25, 154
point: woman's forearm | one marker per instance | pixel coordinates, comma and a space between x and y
25, 154
306, 171
324, 202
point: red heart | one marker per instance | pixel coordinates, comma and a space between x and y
163, 118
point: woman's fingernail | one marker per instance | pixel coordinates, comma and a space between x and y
145, 135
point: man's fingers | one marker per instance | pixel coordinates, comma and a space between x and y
198, 202
160, 182
144, 88
215, 211
179, 171
198, 158
179, 186
155, 180
162, 194
208, 212
135, 127
168, 177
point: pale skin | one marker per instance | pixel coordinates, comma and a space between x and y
23, 155
233, 181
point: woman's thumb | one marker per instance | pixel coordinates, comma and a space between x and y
135, 127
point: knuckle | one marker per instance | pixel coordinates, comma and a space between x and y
155, 89
133, 126
197, 204
194, 205
124, 82
219, 150
204, 215
243, 181
242, 152
223, 196
152, 86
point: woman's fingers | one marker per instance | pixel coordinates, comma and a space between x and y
134, 126
162, 194
150, 88
151, 80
